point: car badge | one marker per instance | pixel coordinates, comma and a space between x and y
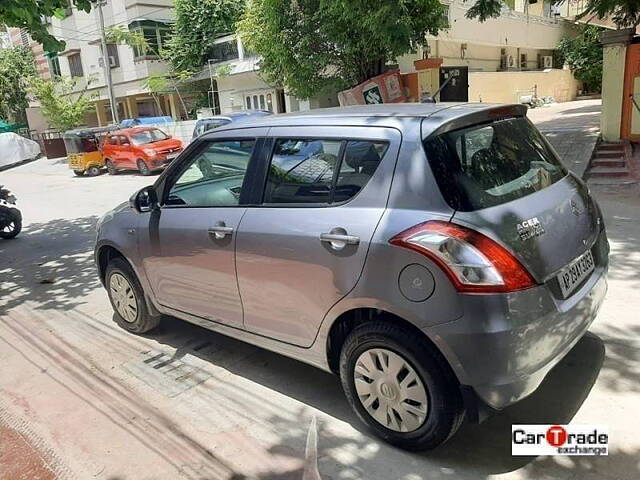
530, 228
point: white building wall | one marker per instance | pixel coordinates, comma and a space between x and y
81, 31
479, 45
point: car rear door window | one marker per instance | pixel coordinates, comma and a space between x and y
487, 165
314, 171
361, 159
213, 177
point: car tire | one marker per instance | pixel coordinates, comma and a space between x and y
143, 168
78, 173
111, 168
424, 383
16, 220
93, 171
127, 298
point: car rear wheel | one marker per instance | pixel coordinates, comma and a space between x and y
93, 171
400, 388
78, 173
143, 167
111, 168
127, 298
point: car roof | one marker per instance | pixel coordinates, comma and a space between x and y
237, 115
390, 115
132, 130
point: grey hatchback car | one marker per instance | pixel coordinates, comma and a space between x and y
438, 257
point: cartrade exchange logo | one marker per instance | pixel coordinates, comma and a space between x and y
559, 440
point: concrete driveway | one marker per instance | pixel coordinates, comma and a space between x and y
80, 398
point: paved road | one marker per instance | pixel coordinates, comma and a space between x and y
88, 400
572, 128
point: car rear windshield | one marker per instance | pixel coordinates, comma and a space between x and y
491, 164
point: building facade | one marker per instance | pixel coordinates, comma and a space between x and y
82, 58
507, 58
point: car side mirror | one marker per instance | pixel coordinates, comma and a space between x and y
144, 200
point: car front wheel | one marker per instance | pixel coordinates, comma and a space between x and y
143, 167
127, 298
400, 388
111, 168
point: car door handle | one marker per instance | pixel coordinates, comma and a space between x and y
220, 231
338, 240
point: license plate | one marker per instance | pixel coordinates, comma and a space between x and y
171, 156
573, 274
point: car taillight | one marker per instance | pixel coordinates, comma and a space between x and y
472, 261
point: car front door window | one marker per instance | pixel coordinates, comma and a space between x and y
214, 176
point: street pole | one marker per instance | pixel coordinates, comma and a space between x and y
106, 65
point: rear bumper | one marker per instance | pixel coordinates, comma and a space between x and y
504, 345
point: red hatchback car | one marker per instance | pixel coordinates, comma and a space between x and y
140, 148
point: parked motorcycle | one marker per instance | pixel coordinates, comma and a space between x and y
10, 216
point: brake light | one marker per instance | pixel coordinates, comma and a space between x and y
472, 261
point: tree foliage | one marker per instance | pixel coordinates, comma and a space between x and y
198, 23
624, 13
28, 14
583, 54
16, 68
61, 109
310, 45
486, 9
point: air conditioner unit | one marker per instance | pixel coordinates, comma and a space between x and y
547, 61
112, 61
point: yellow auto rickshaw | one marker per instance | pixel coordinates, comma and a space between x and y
83, 149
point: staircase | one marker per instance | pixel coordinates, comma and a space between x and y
610, 164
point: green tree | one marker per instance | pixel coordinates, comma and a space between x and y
583, 54
311, 45
28, 14
624, 13
16, 68
62, 109
198, 23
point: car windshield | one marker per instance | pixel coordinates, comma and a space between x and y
491, 164
148, 136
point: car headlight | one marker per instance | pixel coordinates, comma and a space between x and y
149, 152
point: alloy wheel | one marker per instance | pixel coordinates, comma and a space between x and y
9, 228
124, 298
390, 390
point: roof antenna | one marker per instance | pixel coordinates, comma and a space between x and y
432, 98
